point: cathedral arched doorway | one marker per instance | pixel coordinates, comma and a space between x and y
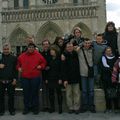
49, 31
17, 40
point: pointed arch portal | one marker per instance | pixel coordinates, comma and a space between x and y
48, 30
17, 40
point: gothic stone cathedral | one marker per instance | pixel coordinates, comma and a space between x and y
48, 19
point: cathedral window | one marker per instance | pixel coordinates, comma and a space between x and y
16, 4
25, 3
75, 1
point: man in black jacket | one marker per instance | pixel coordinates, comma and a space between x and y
7, 79
45, 91
71, 76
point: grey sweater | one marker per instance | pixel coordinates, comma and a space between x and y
98, 51
83, 65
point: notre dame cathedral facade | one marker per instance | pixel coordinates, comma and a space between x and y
48, 19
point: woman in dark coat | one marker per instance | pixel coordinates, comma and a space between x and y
110, 35
54, 79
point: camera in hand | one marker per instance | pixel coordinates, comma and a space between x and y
68, 38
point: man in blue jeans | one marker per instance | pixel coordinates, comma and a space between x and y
87, 83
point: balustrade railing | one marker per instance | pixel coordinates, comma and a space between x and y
49, 13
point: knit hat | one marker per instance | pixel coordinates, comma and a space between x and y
77, 28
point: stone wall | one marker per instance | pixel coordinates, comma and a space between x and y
99, 100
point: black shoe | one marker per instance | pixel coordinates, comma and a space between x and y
36, 112
93, 111
83, 110
71, 111
12, 113
51, 110
1, 113
77, 111
46, 109
108, 111
116, 110
25, 112
60, 109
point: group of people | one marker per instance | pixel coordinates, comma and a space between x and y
74, 64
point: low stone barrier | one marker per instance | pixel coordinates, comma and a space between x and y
99, 100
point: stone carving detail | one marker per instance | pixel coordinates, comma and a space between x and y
49, 1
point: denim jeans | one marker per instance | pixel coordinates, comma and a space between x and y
87, 92
97, 76
95, 71
31, 92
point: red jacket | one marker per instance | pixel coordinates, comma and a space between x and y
29, 62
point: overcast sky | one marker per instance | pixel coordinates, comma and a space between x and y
113, 11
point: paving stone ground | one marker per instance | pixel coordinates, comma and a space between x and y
64, 116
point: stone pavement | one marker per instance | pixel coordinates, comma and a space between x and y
64, 116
